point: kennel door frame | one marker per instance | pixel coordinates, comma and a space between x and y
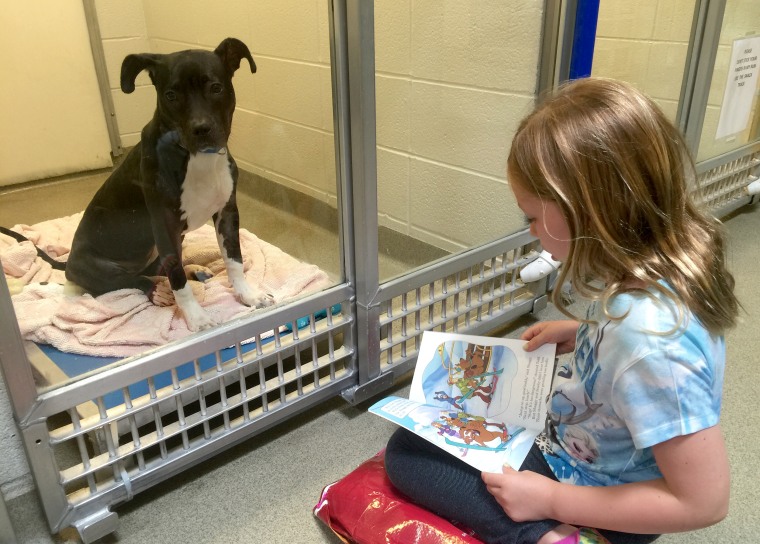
373, 298
721, 180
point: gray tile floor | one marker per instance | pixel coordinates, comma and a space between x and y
264, 489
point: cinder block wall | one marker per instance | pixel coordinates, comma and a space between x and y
453, 79
123, 31
646, 43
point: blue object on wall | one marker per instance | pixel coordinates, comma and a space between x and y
584, 36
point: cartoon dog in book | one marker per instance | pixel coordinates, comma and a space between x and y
475, 429
179, 176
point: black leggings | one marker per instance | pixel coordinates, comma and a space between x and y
454, 490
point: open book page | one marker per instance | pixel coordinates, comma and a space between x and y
490, 377
482, 399
479, 442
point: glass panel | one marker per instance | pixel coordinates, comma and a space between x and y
282, 141
645, 43
453, 79
735, 75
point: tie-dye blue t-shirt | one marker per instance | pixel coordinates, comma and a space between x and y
628, 388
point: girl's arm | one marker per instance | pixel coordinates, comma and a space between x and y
693, 492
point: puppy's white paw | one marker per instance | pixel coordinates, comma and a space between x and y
198, 319
253, 297
246, 294
195, 316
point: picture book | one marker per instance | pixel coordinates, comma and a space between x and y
481, 399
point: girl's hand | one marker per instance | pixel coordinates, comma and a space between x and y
561, 333
524, 496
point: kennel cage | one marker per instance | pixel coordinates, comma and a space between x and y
180, 404
232, 382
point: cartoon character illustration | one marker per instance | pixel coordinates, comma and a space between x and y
476, 429
442, 396
581, 444
478, 432
571, 403
444, 428
471, 374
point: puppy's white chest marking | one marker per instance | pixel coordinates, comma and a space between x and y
206, 189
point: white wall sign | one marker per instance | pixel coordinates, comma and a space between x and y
740, 87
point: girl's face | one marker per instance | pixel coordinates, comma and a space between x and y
546, 222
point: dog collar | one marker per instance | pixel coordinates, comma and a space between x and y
217, 150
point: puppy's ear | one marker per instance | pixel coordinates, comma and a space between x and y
232, 51
133, 65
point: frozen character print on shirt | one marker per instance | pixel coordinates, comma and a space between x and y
572, 404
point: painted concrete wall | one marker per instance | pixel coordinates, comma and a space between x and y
50, 105
452, 81
123, 31
646, 43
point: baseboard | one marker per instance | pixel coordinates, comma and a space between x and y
391, 243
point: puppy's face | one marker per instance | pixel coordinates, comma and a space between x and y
196, 99
194, 89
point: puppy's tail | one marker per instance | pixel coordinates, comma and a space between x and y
57, 265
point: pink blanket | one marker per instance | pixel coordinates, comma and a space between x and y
125, 322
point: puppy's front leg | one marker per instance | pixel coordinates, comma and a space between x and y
168, 237
227, 224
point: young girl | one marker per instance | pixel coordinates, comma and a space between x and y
632, 446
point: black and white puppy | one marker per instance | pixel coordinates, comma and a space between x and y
179, 176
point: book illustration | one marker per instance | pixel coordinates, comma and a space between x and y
481, 399
474, 439
474, 432
465, 375
490, 377
471, 374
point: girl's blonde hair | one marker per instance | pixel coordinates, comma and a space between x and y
621, 174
